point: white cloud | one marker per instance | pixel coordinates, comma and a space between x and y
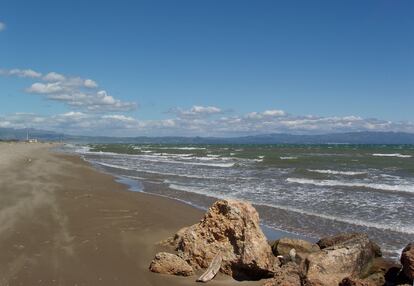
119, 117
2, 26
266, 113
45, 88
205, 109
77, 122
28, 73
196, 111
274, 112
53, 77
90, 83
76, 92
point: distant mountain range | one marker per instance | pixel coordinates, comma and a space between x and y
276, 138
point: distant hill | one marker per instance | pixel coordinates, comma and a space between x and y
20, 134
276, 138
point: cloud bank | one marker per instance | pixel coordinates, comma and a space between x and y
92, 111
75, 92
2, 26
83, 123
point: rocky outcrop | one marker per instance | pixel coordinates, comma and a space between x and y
344, 258
167, 263
232, 229
407, 261
230, 233
288, 275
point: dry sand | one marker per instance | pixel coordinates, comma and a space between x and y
64, 223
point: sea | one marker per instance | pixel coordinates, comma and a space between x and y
306, 190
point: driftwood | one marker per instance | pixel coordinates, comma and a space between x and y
212, 269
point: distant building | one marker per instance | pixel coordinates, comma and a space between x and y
30, 140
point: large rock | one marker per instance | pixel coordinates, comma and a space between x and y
167, 263
407, 260
232, 229
288, 275
349, 258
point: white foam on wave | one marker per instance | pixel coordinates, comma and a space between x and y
181, 148
112, 165
334, 172
288, 158
336, 183
213, 156
82, 149
398, 155
352, 221
172, 158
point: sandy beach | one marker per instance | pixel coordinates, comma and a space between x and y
64, 223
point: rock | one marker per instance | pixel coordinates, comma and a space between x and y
355, 282
232, 229
379, 271
167, 263
407, 261
312, 282
349, 258
284, 245
288, 275
376, 279
330, 241
302, 248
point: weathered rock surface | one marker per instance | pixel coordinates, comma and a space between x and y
330, 241
302, 248
167, 263
407, 261
356, 282
343, 259
284, 245
232, 229
380, 269
288, 275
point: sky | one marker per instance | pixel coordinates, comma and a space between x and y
207, 67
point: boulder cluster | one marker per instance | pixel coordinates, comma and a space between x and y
230, 230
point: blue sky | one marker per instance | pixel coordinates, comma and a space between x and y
207, 67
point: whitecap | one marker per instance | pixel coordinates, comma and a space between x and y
352, 221
336, 183
398, 155
333, 172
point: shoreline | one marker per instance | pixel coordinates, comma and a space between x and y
270, 233
136, 185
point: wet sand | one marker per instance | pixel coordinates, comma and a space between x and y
64, 223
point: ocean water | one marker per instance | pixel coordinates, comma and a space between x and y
309, 190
